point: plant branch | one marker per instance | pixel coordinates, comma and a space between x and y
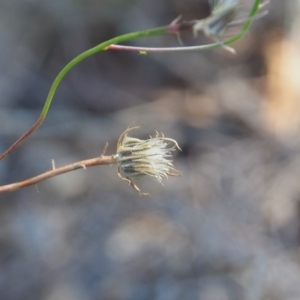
163, 49
238, 36
101, 160
174, 28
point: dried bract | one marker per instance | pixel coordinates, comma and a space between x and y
137, 158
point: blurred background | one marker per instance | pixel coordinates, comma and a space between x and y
227, 229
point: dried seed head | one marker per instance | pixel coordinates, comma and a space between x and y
137, 158
224, 13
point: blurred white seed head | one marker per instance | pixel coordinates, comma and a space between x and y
223, 14
152, 157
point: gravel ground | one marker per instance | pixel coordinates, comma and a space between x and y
227, 229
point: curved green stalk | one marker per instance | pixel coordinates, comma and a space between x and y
101, 47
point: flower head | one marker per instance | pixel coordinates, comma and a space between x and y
137, 158
223, 14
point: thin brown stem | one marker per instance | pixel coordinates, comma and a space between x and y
23, 137
101, 160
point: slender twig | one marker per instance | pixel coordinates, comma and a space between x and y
101, 160
172, 28
163, 49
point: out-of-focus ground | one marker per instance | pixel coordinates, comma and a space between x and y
227, 229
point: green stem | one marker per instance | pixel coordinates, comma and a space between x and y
235, 38
101, 47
